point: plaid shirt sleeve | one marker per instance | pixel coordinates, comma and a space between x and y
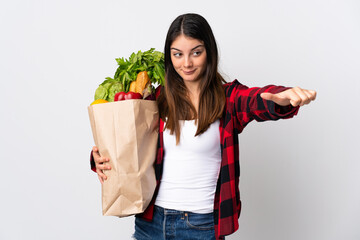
248, 105
243, 105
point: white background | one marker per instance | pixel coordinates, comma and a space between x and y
299, 177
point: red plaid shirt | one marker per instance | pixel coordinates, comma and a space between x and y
243, 105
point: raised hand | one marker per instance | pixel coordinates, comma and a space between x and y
295, 96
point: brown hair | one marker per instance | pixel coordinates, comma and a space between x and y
174, 103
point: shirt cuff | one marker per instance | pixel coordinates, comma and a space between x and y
282, 111
92, 162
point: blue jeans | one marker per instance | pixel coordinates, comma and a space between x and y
171, 224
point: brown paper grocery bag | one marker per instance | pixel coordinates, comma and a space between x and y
126, 132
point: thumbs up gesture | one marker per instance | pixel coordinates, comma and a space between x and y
295, 96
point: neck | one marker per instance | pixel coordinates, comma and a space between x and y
193, 89
193, 93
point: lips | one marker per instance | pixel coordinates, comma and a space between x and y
189, 72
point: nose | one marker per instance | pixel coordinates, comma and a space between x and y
188, 62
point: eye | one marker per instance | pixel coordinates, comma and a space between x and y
197, 53
177, 54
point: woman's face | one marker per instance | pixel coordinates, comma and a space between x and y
188, 56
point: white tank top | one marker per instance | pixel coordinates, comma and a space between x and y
191, 169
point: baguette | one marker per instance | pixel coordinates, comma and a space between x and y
141, 82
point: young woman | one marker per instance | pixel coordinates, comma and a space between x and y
197, 165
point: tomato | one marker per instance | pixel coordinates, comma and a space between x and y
133, 95
119, 96
125, 96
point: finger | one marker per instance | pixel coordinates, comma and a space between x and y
304, 99
101, 174
101, 179
96, 153
309, 95
312, 94
103, 167
293, 97
101, 160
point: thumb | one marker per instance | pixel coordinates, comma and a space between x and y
268, 96
277, 98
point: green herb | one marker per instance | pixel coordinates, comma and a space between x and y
151, 61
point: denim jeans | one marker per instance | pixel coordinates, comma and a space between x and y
171, 224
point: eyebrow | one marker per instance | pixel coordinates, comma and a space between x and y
200, 45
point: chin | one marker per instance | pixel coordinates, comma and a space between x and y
190, 78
